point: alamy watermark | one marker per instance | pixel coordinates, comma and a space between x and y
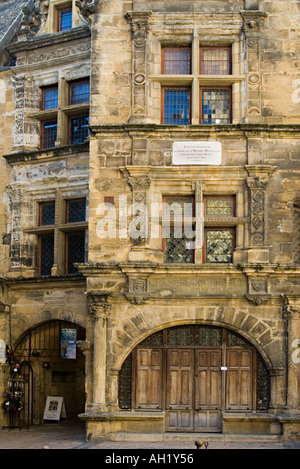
182, 220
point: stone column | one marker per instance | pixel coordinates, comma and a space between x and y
99, 308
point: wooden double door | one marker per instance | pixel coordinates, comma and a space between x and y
194, 385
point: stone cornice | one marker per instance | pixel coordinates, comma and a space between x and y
207, 130
50, 39
34, 156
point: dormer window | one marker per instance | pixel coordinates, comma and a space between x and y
64, 18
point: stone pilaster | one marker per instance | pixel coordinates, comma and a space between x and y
138, 21
253, 22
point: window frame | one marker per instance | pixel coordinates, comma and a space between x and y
172, 223
45, 89
60, 10
70, 118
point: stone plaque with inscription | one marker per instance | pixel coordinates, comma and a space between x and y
197, 153
198, 285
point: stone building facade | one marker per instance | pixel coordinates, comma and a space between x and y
185, 292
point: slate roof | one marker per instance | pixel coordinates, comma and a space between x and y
10, 18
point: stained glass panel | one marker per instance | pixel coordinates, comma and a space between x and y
218, 245
177, 106
178, 248
215, 106
219, 206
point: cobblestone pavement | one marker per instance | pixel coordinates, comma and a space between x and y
71, 435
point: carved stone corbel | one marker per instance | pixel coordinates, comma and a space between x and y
257, 300
86, 9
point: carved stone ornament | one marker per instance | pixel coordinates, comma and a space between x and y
136, 299
253, 21
257, 300
86, 9
139, 183
30, 22
139, 27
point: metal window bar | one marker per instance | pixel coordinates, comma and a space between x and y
47, 214
46, 256
75, 251
76, 211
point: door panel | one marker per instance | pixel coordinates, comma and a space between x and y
208, 385
179, 384
148, 378
239, 380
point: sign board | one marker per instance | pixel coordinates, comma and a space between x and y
68, 343
54, 409
2, 351
197, 152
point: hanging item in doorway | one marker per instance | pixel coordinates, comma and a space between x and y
68, 343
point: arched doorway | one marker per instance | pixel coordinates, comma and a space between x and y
48, 371
195, 373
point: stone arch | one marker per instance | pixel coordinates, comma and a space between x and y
254, 330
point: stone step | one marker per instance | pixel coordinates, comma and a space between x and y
182, 437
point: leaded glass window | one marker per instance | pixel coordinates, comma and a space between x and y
177, 61
176, 106
215, 61
219, 245
47, 214
178, 248
50, 98
216, 206
75, 251
49, 134
76, 211
46, 254
79, 129
216, 106
296, 237
65, 19
80, 92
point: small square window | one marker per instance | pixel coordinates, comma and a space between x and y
49, 134
80, 92
176, 61
176, 106
79, 129
64, 19
49, 98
